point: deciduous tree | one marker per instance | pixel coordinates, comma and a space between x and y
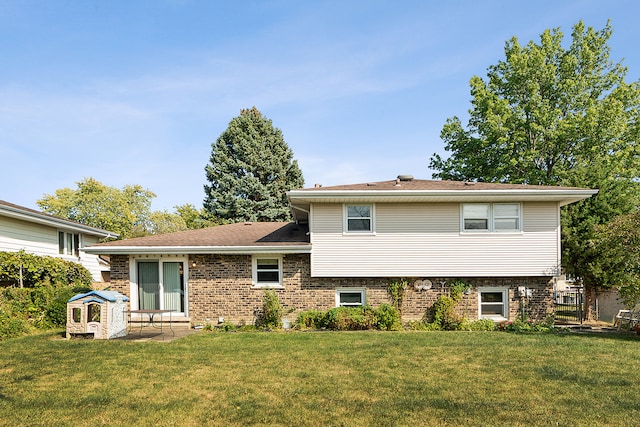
616, 260
126, 211
552, 115
194, 218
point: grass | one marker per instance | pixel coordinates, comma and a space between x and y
344, 378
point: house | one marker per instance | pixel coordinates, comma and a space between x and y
348, 242
42, 234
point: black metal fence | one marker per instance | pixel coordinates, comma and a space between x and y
568, 306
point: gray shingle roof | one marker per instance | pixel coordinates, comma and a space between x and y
426, 185
247, 234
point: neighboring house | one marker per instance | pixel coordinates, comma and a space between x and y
43, 234
348, 242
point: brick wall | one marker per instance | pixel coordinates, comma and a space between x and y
120, 274
220, 286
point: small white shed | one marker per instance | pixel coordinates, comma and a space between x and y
100, 313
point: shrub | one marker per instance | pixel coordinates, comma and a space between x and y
11, 327
310, 319
271, 314
350, 318
476, 325
388, 318
523, 326
37, 270
458, 288
484, 325
421, 325
385, 317
442, 313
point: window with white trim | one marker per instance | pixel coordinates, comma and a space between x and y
491, 217
506, 217
267, 271
359, 218
161, 284
68, 243
350, 297
475, 216
493, 303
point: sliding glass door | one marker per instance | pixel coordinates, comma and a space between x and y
148, 285
161, 285
173, 286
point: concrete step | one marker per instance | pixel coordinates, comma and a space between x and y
176, 323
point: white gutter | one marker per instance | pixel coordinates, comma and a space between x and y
564, 196
223, 250
53, 221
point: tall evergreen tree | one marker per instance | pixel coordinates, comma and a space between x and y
250, 170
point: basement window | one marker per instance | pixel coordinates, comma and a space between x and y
350, 297
493, 303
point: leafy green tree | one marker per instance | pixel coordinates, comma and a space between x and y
616, 260
554, 116
195, 219
166, 222
544, 112
250, 170
126, 211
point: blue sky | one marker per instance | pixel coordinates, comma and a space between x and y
135, 92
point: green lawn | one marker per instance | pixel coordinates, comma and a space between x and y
323, 379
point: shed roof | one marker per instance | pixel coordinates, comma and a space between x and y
111, 296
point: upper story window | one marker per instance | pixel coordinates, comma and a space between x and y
494, 217
68, 243
359, 218
475, 216
267, 271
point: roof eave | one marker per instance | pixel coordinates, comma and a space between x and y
563, 196
55, 222
222, 250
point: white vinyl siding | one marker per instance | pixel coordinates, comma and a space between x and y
43, 240
424, 239
33, 238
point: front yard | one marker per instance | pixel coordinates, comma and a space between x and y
323, 378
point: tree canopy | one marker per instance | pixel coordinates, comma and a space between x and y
126, 211
617, 260
544, 112
250, 170
552, 115
194, 218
